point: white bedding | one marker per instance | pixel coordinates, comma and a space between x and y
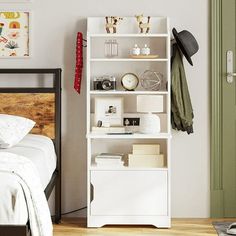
40, 150
26, 176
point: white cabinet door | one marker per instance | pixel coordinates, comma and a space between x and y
129, 192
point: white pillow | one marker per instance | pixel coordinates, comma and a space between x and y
13, 129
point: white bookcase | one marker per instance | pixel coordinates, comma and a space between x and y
126, 195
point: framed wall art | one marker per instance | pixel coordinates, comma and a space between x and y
15, 34
109, 110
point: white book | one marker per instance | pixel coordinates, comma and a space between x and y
110, 165
110, 156
108, 161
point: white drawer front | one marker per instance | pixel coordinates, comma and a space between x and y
129, 193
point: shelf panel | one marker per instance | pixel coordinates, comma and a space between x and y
129, 136
126, 60
127, 35
128, 92
126, 168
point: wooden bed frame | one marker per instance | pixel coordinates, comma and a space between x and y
53, 130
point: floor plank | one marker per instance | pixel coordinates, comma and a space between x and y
183, 227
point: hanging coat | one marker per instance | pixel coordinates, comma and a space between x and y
181, 106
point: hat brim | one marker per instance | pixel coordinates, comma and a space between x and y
182, 48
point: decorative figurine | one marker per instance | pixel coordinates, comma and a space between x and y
142, 25
111, 23
135, 50
145, 50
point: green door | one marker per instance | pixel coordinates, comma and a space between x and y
229, 109
223, 156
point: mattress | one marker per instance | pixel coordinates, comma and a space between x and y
40, 150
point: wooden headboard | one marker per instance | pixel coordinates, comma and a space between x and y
39, 107
39, 104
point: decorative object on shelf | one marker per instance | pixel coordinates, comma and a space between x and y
143, 26
105, 82
109, 110
129, 81
146, 155
145, 50
187, 43
151, 80
99, 124
14, 34
111, 48
149, 123
111, 23
135, 50
144, 56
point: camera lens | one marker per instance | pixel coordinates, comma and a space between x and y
106, 84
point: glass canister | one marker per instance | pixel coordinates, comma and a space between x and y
111, 48
107, 48
114, 48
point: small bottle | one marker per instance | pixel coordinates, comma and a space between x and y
145, 50
107, 48
114, 48
135, 50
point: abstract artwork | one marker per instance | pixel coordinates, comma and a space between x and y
14, 34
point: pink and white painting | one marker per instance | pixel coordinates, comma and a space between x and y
14, 34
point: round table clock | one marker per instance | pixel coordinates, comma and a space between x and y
129, 81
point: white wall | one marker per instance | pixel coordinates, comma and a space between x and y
54, 32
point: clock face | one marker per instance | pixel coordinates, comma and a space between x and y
129, 81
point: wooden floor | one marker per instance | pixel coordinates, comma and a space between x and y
193, 227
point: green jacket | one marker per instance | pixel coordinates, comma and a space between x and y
181, 107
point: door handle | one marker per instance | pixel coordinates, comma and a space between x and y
230, 67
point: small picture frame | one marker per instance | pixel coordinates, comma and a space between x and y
109, 110
15, 40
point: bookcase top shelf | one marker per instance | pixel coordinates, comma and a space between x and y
128, 27
119, 35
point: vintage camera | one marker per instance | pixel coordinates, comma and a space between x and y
104, 83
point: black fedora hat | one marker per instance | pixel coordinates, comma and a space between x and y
187, 43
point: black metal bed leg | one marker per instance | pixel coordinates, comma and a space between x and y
58, 200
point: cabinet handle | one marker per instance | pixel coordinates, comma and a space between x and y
91, 193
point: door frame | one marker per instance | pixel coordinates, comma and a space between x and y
216, 200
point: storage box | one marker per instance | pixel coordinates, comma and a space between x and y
153, 161
146, 149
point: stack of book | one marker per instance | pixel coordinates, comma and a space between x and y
109, 160
146, 155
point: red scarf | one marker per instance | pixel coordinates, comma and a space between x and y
79, 62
